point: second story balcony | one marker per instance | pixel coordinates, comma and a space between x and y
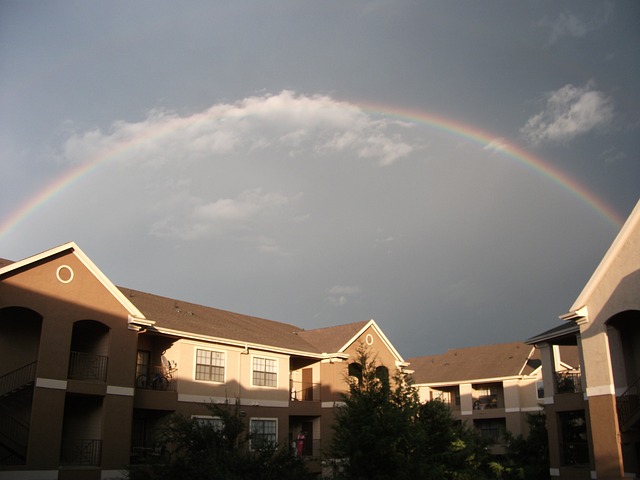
568, 382
304, 391
156, 378
88, 366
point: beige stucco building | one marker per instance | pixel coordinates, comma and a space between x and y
594, 416
491, 387
88, 369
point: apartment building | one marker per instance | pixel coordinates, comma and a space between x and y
593, 417
88, 369
491, 387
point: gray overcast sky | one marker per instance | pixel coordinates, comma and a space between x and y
321, 163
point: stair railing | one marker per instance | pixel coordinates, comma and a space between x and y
628, 404
21, 377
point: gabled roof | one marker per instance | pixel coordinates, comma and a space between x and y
71, 247
333, 339
476, 363
338, 339
629, 227
189, 320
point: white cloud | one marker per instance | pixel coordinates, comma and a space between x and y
339, 295
575, 26
223, 215
570, 111
287, 120
496, 145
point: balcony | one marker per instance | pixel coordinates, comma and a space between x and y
88, 366
568, 382
81, 452
156, 378
304, 392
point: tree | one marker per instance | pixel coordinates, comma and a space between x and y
527, 457
383, 432
217, 451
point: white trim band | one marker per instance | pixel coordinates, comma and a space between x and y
51, 383
124, 391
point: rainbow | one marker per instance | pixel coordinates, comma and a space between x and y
452, 127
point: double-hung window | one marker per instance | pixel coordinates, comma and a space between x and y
265, 372
264, 432
209, 366
208, 421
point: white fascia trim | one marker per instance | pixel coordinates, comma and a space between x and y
333, 404
554, 472
113, 475
102, 278
244, 402
30, 474
601, 390
123, 391
51, 383
236, 343
532, 409
372, 323
466, 412
473, 381
621, 239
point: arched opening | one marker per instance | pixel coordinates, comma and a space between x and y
355, 371
627, 324
89, 351
20, 331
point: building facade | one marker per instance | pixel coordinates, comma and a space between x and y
593, 416
491, 387
88, 370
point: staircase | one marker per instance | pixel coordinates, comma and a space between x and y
628, 406
16, 395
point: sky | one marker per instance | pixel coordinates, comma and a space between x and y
454, 170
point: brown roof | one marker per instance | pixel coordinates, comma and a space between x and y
474, 363
169, 313
332, 339
4, 262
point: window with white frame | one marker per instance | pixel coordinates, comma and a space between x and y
264, 432
265, 372
207, 420
210, 366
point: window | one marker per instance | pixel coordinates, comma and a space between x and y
205, 420
264, 432
265, 372
573, 430
540, 389
209, 366
491, 429
143, 361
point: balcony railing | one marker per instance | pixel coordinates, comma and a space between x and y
485, 402
568, 382
81, 452
88, 366
156, 378
304, 392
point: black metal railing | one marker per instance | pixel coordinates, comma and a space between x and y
485, 402
628, 404
575, 453
156, 378
88, 366
304, 391
568, 382
81, 452
18, 378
